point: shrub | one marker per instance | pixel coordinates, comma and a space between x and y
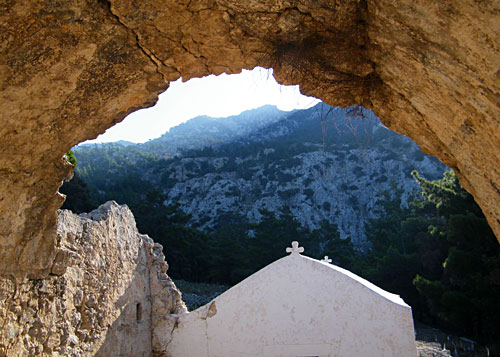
308, 192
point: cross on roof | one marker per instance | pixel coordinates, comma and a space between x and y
295, 249
326, 259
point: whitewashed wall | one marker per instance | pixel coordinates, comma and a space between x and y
297, 306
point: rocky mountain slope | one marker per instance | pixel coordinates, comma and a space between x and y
324, 163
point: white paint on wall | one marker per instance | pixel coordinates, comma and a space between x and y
297, 306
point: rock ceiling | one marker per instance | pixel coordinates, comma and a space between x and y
69, 69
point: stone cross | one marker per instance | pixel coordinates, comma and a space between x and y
295, 249
326, 260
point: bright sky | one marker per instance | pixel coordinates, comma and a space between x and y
215, 96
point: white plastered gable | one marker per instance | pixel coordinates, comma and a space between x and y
297, 306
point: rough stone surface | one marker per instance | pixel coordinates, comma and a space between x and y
109, 278
63, 65
440, 66
69, 69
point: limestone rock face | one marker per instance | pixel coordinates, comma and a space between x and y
440, 67
63, 65
109, 278
70, 69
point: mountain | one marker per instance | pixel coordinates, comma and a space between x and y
324, 164
207, 131
113, 143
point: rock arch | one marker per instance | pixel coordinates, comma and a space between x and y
69, 69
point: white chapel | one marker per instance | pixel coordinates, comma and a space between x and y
297, 306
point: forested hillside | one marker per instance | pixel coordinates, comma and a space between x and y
324, 164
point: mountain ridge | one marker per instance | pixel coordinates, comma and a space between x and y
205, 130
324, 163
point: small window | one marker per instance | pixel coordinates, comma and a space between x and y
138, 312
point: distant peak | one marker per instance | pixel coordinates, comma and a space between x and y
267, 107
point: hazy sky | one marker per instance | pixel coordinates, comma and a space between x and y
219, 96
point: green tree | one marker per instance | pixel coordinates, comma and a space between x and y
464, 297
70, 156
326, 241
272, 235
77, 196
392, 260
440, 255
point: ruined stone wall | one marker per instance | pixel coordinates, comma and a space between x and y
99, 297
69, 69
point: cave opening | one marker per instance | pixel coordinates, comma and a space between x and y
329, 128
77, 69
